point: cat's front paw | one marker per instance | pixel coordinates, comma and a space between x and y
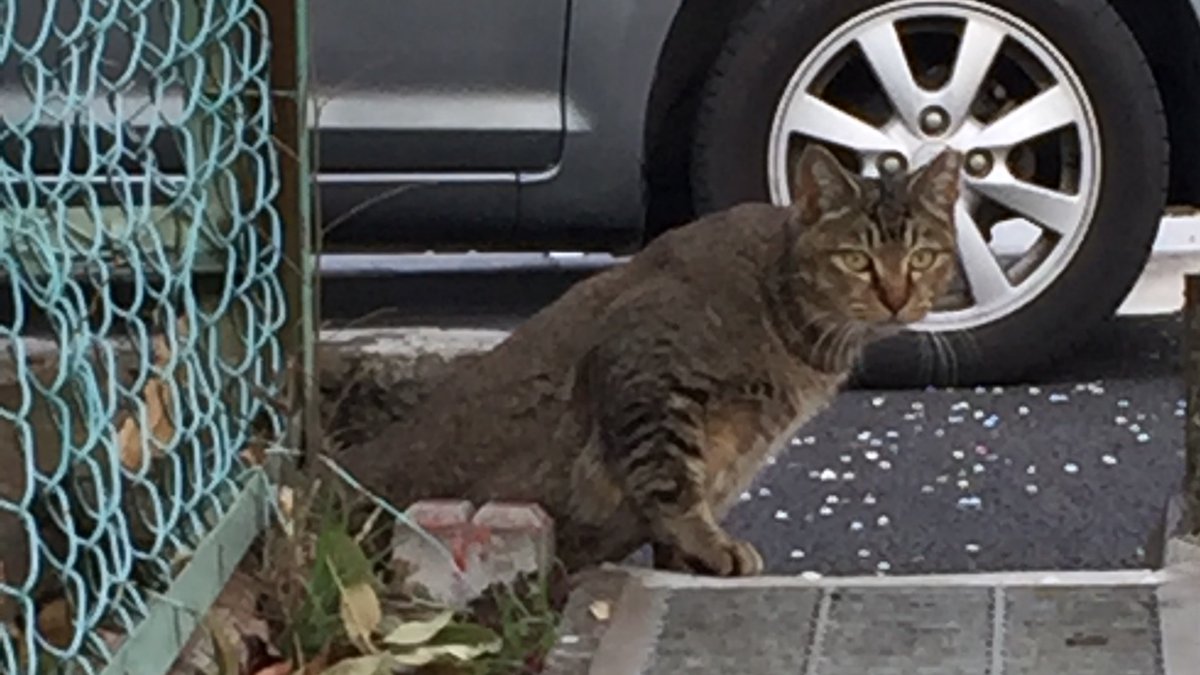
734, 559
745, 560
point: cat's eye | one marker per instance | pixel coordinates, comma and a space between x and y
922, 259
855, 261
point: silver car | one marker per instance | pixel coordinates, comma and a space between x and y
597, 124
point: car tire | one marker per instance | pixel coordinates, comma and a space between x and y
729, 166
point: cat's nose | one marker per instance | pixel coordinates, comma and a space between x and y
894, 298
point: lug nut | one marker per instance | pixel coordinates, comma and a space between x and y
891, 163
934, 120
979, 163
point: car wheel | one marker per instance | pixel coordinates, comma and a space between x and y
1066, 169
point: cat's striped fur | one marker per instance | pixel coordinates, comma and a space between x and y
639, 405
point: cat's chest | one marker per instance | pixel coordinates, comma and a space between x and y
742, 434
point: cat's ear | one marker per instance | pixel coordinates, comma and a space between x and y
935, 186
821, 184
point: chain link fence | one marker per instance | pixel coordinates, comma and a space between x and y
142, 309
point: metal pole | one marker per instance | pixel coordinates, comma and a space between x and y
289, 87
1188, 518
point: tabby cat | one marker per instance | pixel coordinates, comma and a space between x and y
638, 406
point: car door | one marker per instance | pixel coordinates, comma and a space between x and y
433, 86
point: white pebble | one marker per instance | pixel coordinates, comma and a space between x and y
1031, 489
871, 455
877, 401
1121, 420
864, 553
1059, 398
831, 499
883, 566
955, 419
864, 435
1123, 403
810, 440
764, 492
782, 515
1143, 438
972, 548
892, 433
745, 497
883, 521
869, 499
828, 475
569, 639
970, 502
825, 511
1035, 391
917, 405
885, 465
796, 554
978, 468
856, 526
1031, 469
849, 475
846, 459
809, 575
1109, 460
1023, 410
1071, 467
978, 414
939, 432
926, 489
963, 484
959, 455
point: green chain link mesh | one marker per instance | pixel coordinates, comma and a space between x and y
140, 305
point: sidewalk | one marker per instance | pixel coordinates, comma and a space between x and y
624, 621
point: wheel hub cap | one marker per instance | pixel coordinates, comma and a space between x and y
1004, 95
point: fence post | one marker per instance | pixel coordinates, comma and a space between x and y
1186, 519
290, 96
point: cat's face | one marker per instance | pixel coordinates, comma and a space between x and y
879, 251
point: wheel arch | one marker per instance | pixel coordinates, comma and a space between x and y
695, 39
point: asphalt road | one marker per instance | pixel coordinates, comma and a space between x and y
1069, 472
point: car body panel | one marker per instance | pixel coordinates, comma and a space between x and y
455, 135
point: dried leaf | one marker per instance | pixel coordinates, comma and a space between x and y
457, 641
361, 614
601, 610
375, 664
422, 656
287, 507
129, 440
162, 350
224, 653
411, 633
56, 623
158, 410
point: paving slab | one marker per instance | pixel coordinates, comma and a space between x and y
1131, 622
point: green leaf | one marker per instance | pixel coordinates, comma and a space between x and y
375, 664
465, 634
418, 632
361, 614
317, 622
